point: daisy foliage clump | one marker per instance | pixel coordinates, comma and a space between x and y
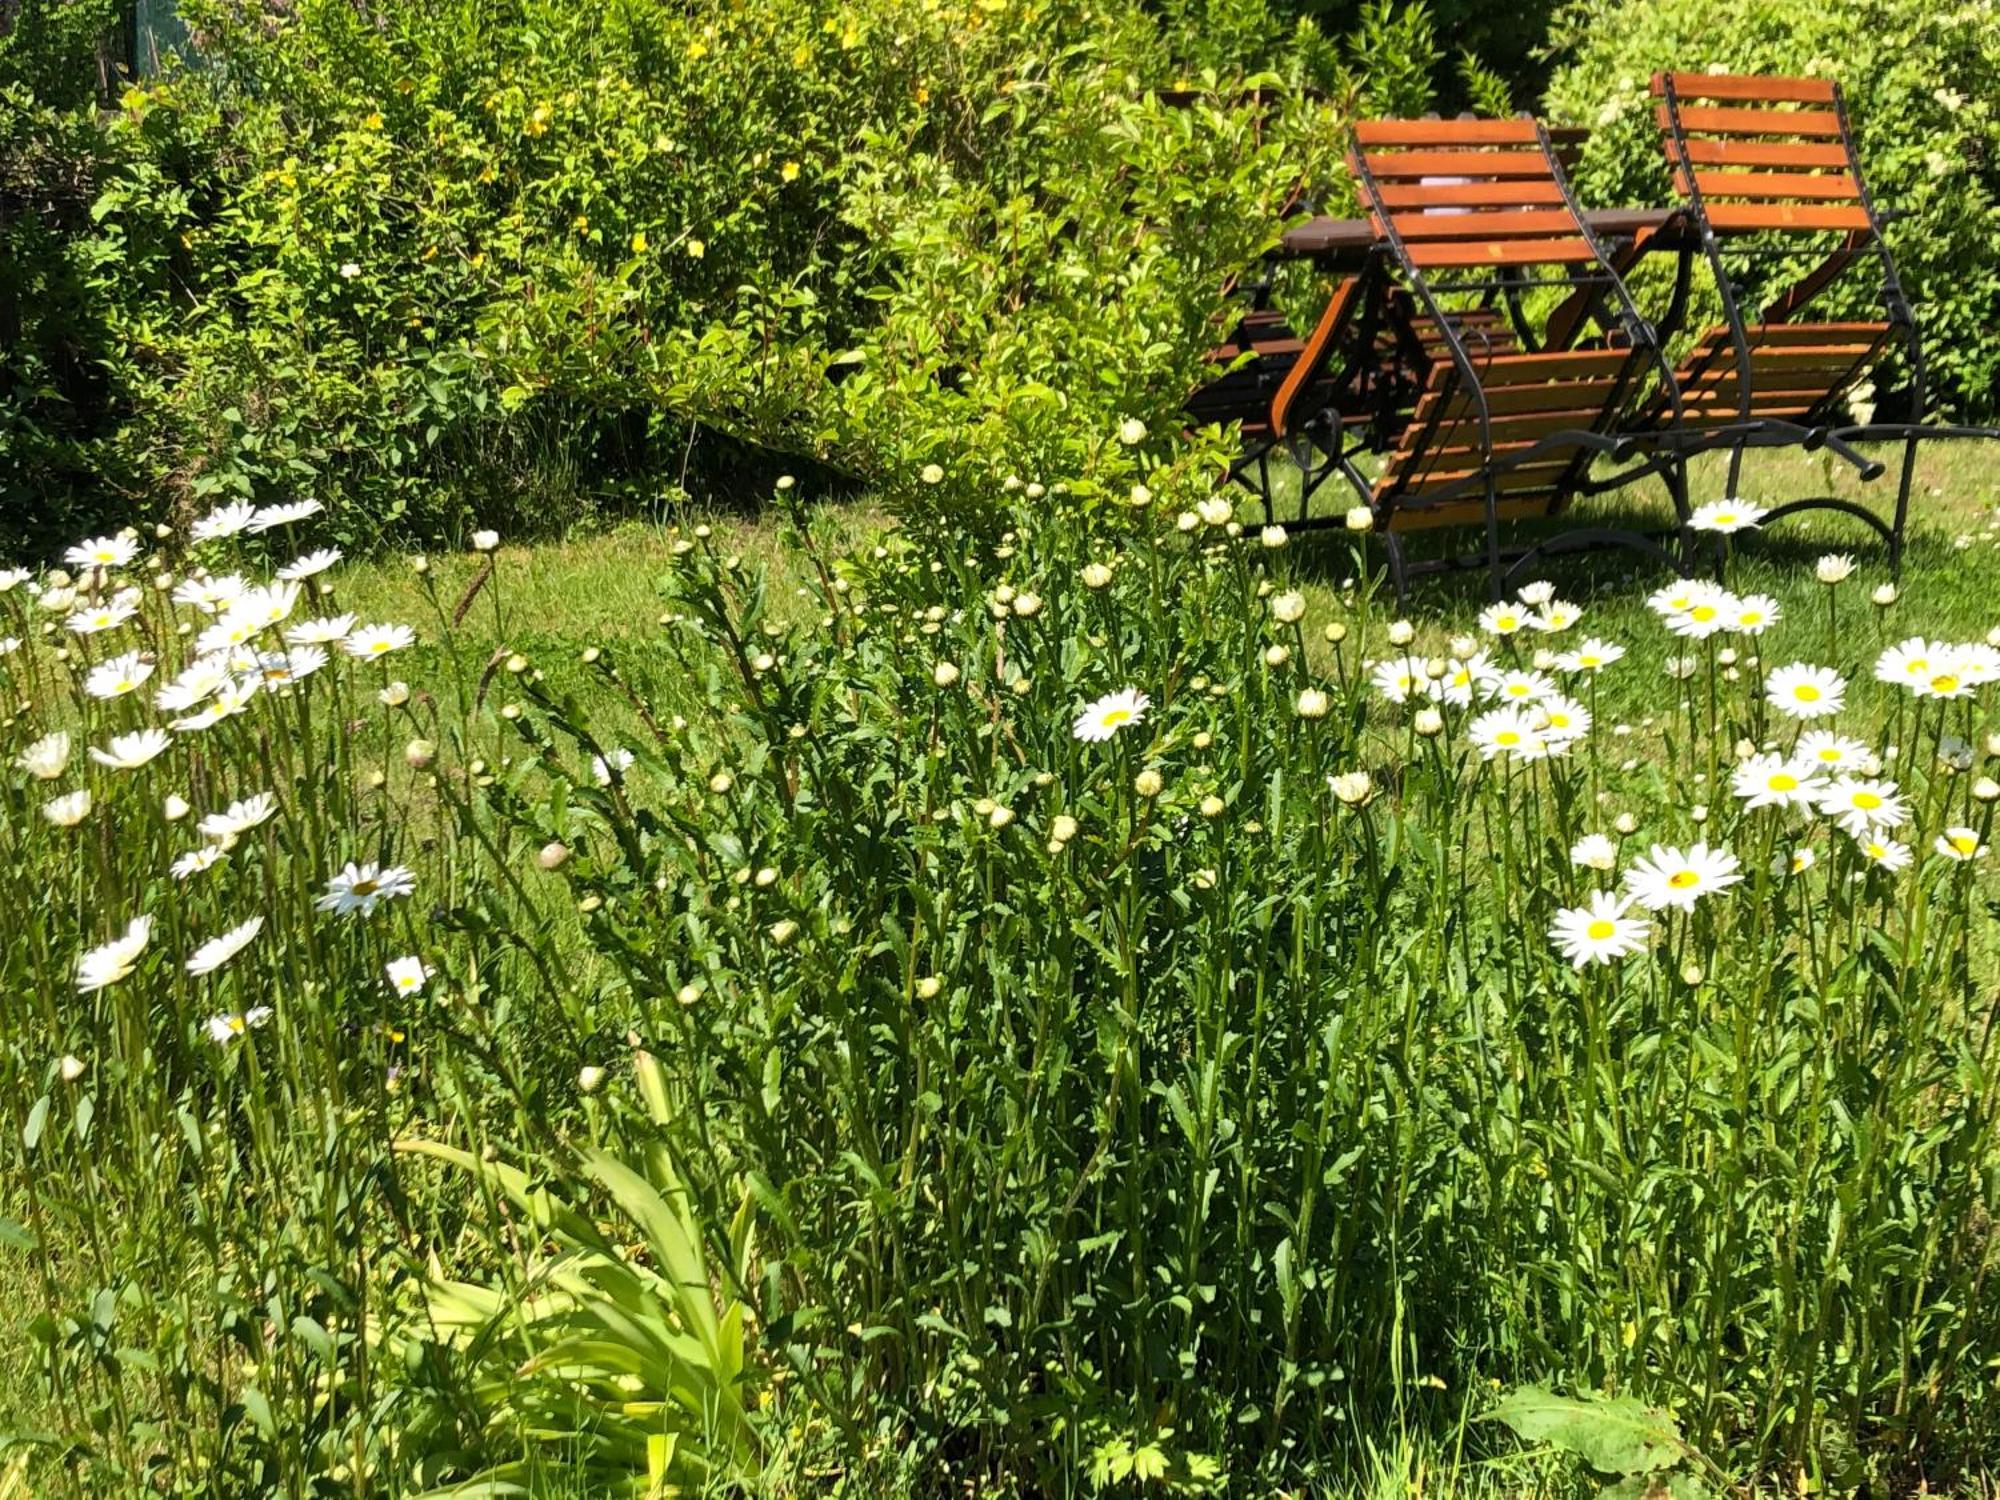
1008, 984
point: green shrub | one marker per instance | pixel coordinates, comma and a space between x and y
1921, 81
501, 262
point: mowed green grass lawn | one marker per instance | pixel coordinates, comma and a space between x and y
556, 598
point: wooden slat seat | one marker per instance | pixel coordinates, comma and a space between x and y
1494, 432
1796, 370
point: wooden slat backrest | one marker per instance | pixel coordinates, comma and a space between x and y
1762, 154
1468, 193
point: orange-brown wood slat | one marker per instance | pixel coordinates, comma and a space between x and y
1462, 513
1573, 395
1538, 369
1462, 435
1417, 225
1518, 252
1512, 193
1793, 156
1825, 185
1446, 133
1773, 334
1738, 218
1407, 165
1705, 120
1749, 89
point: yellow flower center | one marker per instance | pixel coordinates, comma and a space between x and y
1944, 682
1507, 737
1867, 801
1680, 880
1703, 612
1784, 781
1830, 755
1806, 692
365, 887
1115, 717
1599, 930
1963, 843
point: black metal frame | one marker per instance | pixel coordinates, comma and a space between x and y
1643, 344
1752, 432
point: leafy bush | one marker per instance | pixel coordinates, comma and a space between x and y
1920, 81
439, 264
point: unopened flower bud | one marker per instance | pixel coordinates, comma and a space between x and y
552, 855
1147, 783
1427, 722
590, 1078
419, 753
71, 1067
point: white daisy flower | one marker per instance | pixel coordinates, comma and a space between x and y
1947, 677
226, 1028
224, 521
230, 699
1804, 691
266, 605
284, 515
1705, 617
1561, 718
1886, 852
1669, 877
1516, 687
1503, 619
110, 963
321, 632
1682, 595
217, 951
1860, 805
1461, 679
199, 679
204, 858
1541, 591
45, 758
210, 594
281, 668
1832, 752
1833, 568
128, 752
1109, 714
238, 818
1402, 678
1960, 843
361, 888
230, 633
1726, 517
13, 578
116, 676
407, 976
309, 566
618, 762
9, 644
1592, 656
371, 641
1754, 614
102, 552
1775, 781
1554, 617
1978, 663
1598, 932
67, 810
1797, 862
1593, 851
1508, 730
1909, 663
95, 618
55, 601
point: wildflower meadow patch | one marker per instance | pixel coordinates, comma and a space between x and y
1098, 1010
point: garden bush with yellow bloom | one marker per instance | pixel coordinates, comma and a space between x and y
1075, 1012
